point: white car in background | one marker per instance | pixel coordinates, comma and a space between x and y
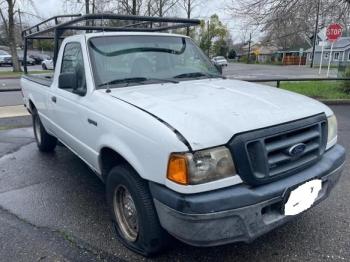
5, 58
219, 61
47, 64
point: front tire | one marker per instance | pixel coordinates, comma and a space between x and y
44, 141
44, 67
134, 216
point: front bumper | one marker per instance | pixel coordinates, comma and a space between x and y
239, 213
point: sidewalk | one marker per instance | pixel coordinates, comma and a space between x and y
13, 111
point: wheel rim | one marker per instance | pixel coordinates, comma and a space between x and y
126, 213
37, 128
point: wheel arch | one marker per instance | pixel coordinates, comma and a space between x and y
109, 158
31, 106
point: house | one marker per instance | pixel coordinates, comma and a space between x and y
294, 55
260, 52
341, 52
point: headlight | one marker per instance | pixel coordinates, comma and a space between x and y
201, 167
332, 131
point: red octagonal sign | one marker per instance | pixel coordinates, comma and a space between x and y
334, 32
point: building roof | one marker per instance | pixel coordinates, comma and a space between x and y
342, 44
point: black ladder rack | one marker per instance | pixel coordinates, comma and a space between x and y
55, 27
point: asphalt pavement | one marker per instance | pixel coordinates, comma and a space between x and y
259, 71
52, 208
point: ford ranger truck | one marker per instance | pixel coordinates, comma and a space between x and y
183, 151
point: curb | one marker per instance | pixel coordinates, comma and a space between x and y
10, 77
333, 102
10, 89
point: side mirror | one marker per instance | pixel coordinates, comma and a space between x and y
219, 68
69, 80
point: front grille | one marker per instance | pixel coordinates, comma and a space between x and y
265, 155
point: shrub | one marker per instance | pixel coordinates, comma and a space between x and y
346, 84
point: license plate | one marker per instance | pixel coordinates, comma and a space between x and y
303, 197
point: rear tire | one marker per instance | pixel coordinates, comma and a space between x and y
125, 189
44, 67
44, 141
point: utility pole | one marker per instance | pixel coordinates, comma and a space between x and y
20, 24
188, 15
134, 7
315, 34
87, 7
149, 8
93, 7
209, 44
20, 19
161, 8
249, 47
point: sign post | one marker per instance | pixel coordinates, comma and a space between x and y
334, 32
301, 53
321, 61
323, 37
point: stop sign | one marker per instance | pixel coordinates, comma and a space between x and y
334, 31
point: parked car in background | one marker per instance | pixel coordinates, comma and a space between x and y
30, 61
219, 61
5, 58
38, 58
47, 64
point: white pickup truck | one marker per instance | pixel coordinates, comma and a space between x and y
182, 150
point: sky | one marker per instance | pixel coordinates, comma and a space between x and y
49, 8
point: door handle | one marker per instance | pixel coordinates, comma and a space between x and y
54, 99
92, 122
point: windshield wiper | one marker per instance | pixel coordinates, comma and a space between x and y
136, 80
197, 74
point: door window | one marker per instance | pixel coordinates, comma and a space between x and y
73, 62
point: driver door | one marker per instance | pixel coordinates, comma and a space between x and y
69, 112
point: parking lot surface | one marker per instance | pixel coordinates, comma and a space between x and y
53, 207
258, 71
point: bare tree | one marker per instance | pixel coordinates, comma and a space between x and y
287, 22
8, 20
162, 7
188, 6
130, 7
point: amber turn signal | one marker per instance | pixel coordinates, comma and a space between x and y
177, 169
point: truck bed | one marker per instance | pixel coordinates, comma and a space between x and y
42, 79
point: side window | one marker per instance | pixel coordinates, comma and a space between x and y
73, 61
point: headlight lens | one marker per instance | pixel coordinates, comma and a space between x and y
332, 131
201, 167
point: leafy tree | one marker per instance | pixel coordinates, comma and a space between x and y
45, 45
213, 36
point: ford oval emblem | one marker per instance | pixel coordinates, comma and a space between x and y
297, 150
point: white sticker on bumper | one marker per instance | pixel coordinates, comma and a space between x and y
302, 198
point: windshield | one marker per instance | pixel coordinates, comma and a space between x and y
125, 60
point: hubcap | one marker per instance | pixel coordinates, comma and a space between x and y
126, 213
37, 129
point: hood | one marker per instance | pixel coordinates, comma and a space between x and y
210, 112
